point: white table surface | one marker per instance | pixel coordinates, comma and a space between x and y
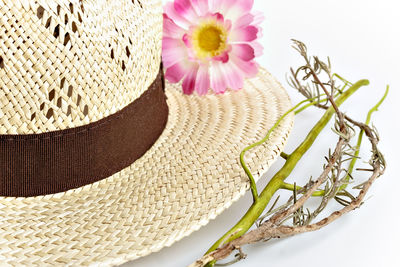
362, 37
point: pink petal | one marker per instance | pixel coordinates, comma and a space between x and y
248, 68
171, 29
244, 5
185, 9
200, 6
217, 79
186, 40
237, 8
215, 6
260, 32
189, 83
218, 17
243, 51
243, 21
258, 17
173, 51
228, 25
246, 34
176, 72
258, 48
202, 80
178, 19
224, 57
233, 76
223, 5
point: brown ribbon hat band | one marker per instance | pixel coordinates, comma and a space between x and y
52, 162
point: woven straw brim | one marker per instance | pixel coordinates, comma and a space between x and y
187, 178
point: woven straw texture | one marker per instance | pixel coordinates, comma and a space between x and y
63, 62
188, 177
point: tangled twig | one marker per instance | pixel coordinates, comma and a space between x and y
334, 178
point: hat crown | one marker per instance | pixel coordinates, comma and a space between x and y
65, 64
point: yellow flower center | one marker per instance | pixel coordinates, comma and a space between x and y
209, 39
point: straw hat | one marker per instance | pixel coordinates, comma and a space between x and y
97, 166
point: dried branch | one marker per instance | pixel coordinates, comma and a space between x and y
272, 229
330, 185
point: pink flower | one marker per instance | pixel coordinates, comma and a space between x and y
210, 44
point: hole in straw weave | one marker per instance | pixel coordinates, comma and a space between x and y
74, 27
82, 7
58, 10
40, 12
48, 22
49, 113
70, 89
79, 100
67, 38
52, 94
42, 106
1, 63
33, 116
123, 65
66, 19
62, 83
59, 102
71, 8
140, 4
128, 53
56, 31
112, 53
79, 17
86, 110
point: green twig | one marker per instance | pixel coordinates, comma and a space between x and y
284, 155
354, 158
312, 103
296, 109
346, 82
319, 193
276, 182
253, 185
360, 138
291, 187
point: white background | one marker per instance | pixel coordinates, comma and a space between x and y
362, 37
